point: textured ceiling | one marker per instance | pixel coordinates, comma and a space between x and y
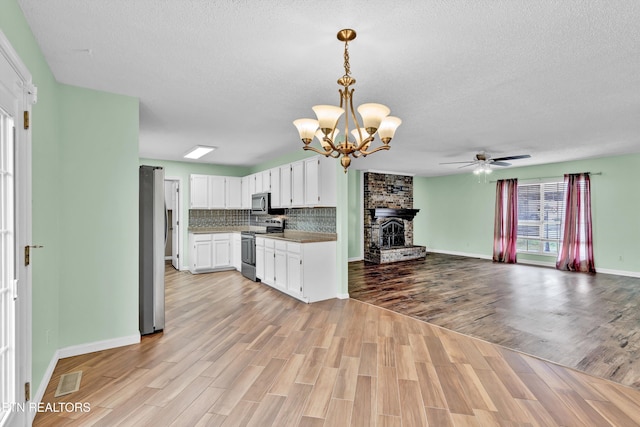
559, 80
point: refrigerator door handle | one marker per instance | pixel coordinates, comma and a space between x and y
166, 223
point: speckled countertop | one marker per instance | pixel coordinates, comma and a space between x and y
213, 230
288, 235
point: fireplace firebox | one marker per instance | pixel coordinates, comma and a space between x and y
391, 233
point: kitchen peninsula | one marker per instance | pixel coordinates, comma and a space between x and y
298, 263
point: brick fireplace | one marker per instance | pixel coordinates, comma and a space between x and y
388, 220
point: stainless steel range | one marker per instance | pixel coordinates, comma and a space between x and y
271, 226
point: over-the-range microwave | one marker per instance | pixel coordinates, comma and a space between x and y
261, 205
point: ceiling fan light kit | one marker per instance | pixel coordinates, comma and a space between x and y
483, 162
354, 143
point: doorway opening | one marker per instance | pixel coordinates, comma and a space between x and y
173, 219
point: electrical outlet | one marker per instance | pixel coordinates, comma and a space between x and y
48, 335
620, 258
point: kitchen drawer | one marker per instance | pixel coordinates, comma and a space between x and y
269, 243
295, 248
202, 237
281, 245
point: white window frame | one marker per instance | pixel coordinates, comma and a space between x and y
541, 222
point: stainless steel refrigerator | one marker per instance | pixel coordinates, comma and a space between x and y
152, 241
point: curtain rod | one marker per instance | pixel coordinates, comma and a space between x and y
548, 177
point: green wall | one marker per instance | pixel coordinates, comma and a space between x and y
456, 212
99, 227
84, 201
182, 170
354, 218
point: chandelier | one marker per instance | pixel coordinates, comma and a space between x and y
375, 118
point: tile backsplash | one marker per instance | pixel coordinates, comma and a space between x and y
218, 218
318, 220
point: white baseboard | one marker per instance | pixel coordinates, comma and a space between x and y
551, 264
77, 350
44, 382
358, 258
342, 296
467, 254
618, 272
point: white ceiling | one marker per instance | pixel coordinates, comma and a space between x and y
559, 80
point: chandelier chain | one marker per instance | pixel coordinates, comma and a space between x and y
347, 67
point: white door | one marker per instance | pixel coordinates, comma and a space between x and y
15, 235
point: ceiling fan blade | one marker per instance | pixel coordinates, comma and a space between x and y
523, 156
451, 163
470, 164
501, 163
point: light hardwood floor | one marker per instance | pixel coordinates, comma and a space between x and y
238, 353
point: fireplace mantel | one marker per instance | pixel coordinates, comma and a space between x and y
407, 214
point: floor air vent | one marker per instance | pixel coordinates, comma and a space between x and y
69, 383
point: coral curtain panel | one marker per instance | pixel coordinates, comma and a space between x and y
505, 227
576, 249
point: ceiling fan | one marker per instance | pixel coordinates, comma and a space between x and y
484, 162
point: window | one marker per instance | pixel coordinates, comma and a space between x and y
540, 211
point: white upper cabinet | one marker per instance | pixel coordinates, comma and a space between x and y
199, 192
246, 195
258, 178
285, 186
312, 181
276, 191
233, 190
297, 184
266, 181
217, 192
252, 187
306, 183
320, 181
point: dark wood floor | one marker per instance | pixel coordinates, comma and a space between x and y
239, 353
587, 322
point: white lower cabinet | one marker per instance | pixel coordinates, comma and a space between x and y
260, 258
209, 252
294, 268
201, 252
305, 271
269, 262
280, 265
236, 251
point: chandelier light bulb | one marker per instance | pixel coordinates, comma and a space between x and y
328, 116
372, 115
306, 128
388, 127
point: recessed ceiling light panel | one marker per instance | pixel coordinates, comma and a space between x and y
198, 151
